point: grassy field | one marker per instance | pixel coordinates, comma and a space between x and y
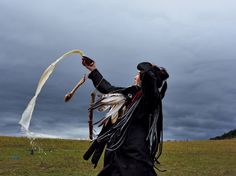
64, 158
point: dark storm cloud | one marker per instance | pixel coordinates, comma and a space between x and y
204, 101
193, 40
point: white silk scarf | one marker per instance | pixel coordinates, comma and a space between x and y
27, 114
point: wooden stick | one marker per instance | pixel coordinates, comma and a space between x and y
69, 95
90, 115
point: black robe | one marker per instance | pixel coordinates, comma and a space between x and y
133, 157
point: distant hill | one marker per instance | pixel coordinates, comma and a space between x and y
230, 135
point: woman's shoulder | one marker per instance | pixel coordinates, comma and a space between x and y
132, 89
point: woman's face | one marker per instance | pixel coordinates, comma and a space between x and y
137, 80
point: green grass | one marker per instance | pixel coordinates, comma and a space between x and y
64, 158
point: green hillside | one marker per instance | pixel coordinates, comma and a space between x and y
230, 135
57, 157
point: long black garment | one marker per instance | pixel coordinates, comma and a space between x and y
133, 156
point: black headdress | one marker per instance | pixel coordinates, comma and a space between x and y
154, 72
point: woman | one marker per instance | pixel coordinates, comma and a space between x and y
134, 140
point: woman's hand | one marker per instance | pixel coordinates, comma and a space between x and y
91, 67
88, 63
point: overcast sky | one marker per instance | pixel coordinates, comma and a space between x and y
194, 40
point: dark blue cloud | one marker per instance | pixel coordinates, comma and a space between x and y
193, 40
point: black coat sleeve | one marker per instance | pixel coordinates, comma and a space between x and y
102, 84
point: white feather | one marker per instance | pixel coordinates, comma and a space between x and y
112, 101
103, 108
114, 109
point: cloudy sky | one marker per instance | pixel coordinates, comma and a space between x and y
194, 40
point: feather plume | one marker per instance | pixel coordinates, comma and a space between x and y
103, 108
114, 109
112, 101
109, 99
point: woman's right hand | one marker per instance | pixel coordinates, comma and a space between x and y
91, 67
88, 63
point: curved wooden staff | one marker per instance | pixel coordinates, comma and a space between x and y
69, 95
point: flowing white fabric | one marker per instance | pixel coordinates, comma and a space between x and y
27, 114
